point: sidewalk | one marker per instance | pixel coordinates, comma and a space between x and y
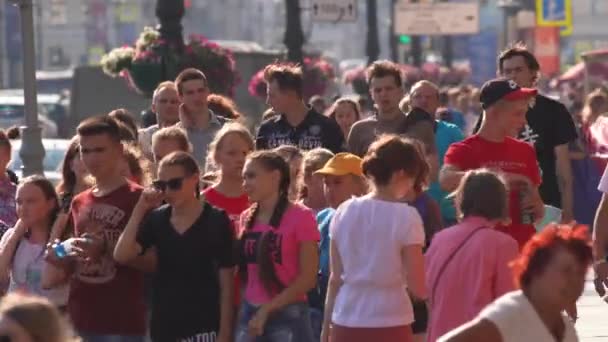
593, 316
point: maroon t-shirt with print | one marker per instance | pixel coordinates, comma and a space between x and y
106, 298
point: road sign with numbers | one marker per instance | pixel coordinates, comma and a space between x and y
334, 10
436, 18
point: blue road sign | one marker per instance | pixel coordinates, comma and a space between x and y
554, 10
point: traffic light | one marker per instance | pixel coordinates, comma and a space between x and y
405, 39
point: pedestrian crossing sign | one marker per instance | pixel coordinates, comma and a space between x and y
554, 13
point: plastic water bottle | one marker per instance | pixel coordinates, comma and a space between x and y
64, 249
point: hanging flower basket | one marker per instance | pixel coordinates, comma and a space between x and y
154, 60
145, 77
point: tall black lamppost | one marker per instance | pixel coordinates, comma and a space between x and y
294, 35
32, 150
372, 46
170, 14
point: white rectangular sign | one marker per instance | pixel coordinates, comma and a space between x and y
334, 10
436, 18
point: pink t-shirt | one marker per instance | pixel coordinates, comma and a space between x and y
477, 274
297, 225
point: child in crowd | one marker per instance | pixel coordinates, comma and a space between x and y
293, 156
311, 190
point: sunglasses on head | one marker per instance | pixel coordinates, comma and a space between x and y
171, 184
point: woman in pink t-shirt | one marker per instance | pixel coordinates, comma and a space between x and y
467, 265
279, 255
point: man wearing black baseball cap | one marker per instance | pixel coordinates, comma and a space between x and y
505, 105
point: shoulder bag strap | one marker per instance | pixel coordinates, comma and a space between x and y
451, 257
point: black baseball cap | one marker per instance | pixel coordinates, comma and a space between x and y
502, 88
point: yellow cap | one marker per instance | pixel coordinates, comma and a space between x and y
342, 164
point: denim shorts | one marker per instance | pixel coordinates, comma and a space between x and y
290, 324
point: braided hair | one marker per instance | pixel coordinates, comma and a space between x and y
270, 161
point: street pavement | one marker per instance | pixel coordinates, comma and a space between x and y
592, 325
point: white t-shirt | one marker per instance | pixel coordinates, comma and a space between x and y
370, 235
603, 186
26, 272
517, 320
145, 139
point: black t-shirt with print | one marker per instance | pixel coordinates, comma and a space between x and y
186, 292
315, 131
549, 125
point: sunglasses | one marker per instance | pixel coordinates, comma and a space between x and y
5, 338
173, 184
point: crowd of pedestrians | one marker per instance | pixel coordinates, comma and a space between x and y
417, 221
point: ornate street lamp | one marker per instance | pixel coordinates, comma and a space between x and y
32, 151
372, 46
170, 14
294, 35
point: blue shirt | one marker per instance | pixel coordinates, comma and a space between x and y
445, 135
457, 118
323, 220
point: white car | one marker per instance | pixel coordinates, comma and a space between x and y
54, 149
12, 113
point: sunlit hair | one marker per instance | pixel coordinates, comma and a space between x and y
223, 106
594, 103
482, 193
226, 130
139, 166
161, 86
519, 49
542, 248
68, 177
100, 125
173, 133
48, 190
390, 154
331, 111
287, 75
384, 68
424, 83
290, 154
189, 74
123, 116
313, 160
37, 316
269, 161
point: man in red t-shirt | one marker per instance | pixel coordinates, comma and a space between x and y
106, 301
505, 105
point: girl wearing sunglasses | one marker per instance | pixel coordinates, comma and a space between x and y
193, 283
279, 255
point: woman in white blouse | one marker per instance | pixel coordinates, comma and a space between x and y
551, 274
376, 250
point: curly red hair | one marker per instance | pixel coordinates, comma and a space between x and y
539, 251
